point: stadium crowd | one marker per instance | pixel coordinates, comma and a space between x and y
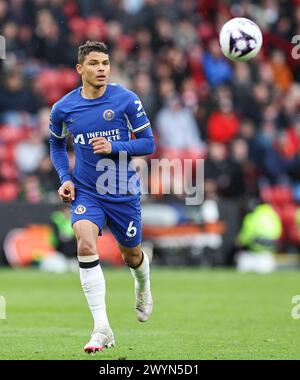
243, 118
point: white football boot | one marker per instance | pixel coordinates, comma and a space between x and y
100, 340
143, 305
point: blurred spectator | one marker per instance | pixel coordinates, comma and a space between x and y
144, 88
242, 88
293, 136
51, 45
290, 106
223, 124
178, 64
279, 160
178, 139
3, 11
31, 191
14, 97
282, 74
216, 67
255, 149
133, 6
29, 153
178, 131
185, 35
49, 182
226, 174
258, 237
267, 134
261, 97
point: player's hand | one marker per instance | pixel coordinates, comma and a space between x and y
101, 145
67, 191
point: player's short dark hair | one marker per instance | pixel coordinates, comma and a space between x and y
90, 46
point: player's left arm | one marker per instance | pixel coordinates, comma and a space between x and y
143, 144
140, 125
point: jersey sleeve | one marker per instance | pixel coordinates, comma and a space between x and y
57, 126
136, 115
58, 152
143, 144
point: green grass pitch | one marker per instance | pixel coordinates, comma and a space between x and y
198, 314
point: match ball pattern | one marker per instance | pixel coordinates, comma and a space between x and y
240, 39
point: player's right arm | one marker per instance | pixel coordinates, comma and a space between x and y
59, 156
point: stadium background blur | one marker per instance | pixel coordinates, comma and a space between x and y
242, 118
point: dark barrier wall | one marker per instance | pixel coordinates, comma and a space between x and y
15, 215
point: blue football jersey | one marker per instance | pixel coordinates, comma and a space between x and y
114, 116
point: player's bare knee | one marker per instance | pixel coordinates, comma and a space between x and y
131, 261
86, 248
132, 258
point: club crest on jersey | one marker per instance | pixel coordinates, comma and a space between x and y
108, 115
80, 210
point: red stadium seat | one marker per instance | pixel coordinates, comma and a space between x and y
294, 234
278, 195
48, 79
282, 195
70, 9
2, 152
95, 28
53, 84
10, 134
126, 42
53, 95
77, 26
288, 214
7, 153
290, 230
68, 79
8, 171
9, 192
10, 153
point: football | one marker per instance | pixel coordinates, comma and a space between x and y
240, 39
